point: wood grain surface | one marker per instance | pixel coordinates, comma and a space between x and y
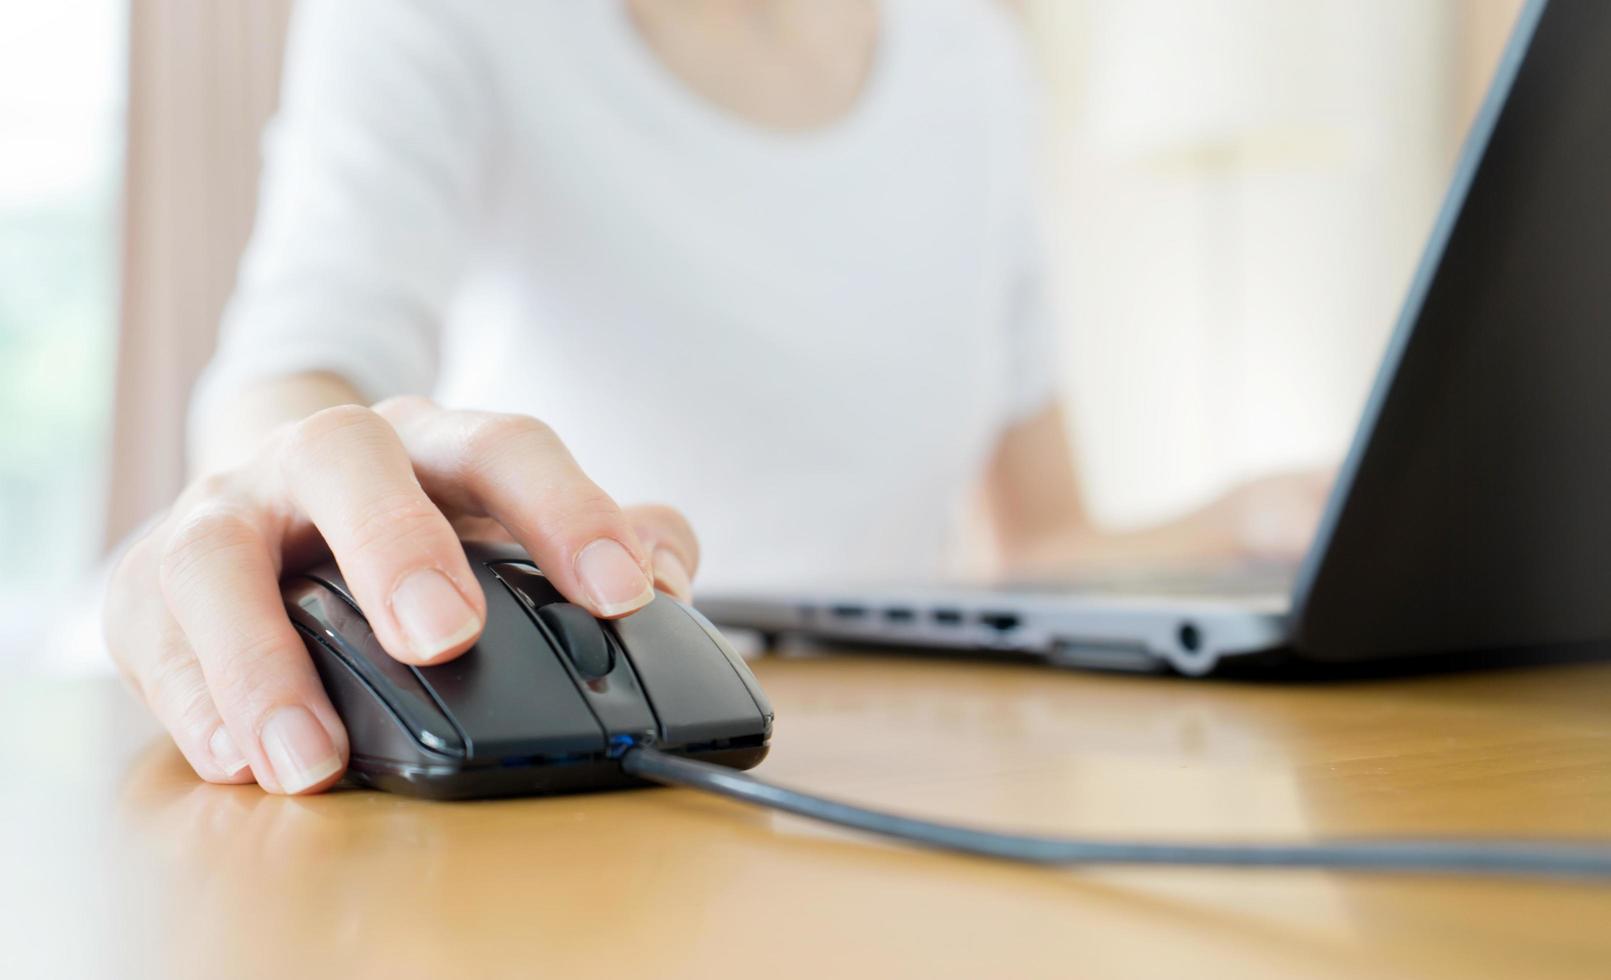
118, 862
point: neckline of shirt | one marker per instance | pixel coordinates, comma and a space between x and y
661, 85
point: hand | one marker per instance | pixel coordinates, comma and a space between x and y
193, 614
1270, 518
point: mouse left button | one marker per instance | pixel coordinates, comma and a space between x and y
325, 617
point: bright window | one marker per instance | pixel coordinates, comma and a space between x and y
61, 137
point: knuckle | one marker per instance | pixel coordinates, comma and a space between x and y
489, 435
199, 535
212, 485
209, 486
399, 406
311, 437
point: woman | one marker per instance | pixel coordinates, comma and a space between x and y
772, 261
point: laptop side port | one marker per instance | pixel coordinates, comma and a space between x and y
1192, 655
1105, 655
946, 616
899, 615
846, 611
1001, 622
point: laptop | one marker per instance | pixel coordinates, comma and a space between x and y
1473, 509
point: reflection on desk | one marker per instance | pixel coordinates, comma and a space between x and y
125, 865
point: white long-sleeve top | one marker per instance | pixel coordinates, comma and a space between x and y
809, 342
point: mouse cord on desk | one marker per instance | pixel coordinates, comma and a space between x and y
1495, 857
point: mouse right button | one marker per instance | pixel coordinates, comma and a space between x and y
741, 668
694, 691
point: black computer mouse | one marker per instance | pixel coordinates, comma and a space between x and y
546, 701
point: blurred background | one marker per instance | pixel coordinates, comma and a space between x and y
1238, 190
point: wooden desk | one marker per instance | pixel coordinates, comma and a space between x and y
117, 862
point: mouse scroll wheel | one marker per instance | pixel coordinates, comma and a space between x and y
580, 637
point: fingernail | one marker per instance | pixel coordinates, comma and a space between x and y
433, 614
226, 756
672, 575
613, 580
299, 749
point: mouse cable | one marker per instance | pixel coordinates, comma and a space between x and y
1469, 856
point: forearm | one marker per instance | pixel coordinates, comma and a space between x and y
1032, 493
1041, 524
228, 435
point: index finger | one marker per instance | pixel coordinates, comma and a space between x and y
346, 469
515, 469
